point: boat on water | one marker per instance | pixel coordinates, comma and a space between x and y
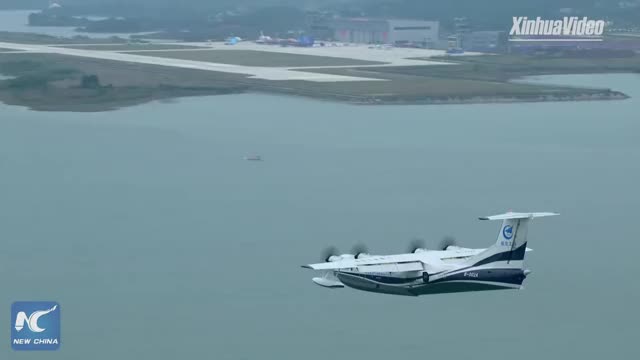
253, 158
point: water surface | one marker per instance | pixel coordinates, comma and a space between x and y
161, 242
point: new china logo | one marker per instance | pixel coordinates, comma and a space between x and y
35, 325
567, 29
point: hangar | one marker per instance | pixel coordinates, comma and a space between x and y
385, 31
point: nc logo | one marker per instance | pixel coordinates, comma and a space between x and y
507, 232
32, 320
35, 325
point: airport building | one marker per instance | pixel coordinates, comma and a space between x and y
382, 31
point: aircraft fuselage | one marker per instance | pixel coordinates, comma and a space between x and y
419, 284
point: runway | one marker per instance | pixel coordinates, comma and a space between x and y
390, 57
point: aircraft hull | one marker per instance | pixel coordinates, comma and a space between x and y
488, 279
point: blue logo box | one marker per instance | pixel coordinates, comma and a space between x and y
35, 325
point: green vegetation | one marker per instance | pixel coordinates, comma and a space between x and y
31, 74
402, 89
257, 58
507, 67
209, 20
53, 82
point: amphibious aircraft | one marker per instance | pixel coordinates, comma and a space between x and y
264, 39
447, 270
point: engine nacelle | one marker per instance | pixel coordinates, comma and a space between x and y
454, 248
333, 258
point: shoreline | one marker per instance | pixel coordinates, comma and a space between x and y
177, 94
92, 83
612, 95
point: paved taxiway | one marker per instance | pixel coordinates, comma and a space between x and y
390, 56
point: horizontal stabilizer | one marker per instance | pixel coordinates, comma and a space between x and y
514, 215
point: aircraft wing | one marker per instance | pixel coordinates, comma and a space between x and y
513, 215
386, 263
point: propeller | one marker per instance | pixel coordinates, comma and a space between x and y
328, 252
359, 249
415, 244
446, 242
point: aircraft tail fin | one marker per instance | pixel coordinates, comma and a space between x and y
511, 243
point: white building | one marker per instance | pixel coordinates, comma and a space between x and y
383, 31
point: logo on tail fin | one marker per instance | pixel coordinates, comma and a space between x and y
507, 232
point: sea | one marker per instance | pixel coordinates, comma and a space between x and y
160, 241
